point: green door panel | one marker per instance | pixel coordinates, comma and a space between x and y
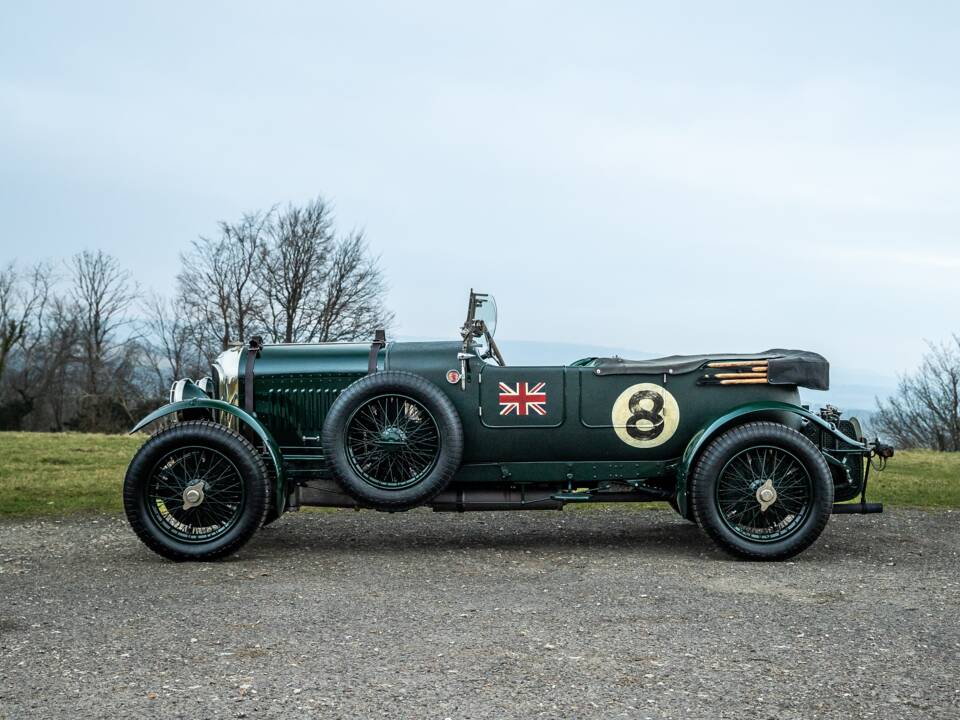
522, 397
654, 416
640, 410
585, 430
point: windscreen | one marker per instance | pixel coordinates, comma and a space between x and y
485, 308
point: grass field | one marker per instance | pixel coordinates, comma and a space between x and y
54, 474
51, 474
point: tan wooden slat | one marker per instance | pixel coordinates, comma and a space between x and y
738, 363
752, 381
723, 375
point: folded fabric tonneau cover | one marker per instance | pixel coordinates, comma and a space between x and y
784, 367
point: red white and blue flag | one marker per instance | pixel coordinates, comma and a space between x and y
521, 399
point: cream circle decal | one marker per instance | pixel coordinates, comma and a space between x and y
645, 415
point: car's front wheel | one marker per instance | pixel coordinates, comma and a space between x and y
196, 491
762, 491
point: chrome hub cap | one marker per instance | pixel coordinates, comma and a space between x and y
393, 439
192, 495
766, 495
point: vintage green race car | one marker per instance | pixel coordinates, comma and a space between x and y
391, 426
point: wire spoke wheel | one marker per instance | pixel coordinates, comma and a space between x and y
764, 493
392, 441
195, 494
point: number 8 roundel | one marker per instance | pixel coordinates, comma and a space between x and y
645, 415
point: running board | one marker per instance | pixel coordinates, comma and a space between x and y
857, 508
639, 495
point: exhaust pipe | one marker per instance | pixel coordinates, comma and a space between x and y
464, 499
329, 494
860, 508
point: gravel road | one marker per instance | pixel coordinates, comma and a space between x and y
594, 613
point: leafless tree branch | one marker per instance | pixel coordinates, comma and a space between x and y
925, 410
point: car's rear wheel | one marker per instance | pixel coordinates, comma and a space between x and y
196, 491
393, 440
762, 491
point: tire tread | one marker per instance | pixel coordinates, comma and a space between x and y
447, 463
710, 461
131, 490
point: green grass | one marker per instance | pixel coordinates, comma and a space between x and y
60, 473
57, 474
918, 478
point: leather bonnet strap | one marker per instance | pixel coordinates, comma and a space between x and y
253, 352
379, 341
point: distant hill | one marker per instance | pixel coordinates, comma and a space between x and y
533, 352
853, 391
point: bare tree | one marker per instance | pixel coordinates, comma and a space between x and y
167, 338
102, 295
55, 363
22, 301
243, 242
293, 269
12, 323
925, 411
353, 294
218, 277
23, 305
286, 274
203, 286
175, 343
72, 357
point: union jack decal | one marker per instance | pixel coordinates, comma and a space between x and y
521, 399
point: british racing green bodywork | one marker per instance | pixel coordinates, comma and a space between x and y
570, 440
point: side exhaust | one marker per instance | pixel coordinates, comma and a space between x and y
860, 508
329, 494
467, 499
464, 499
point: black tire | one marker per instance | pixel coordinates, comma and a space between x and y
271, 517
672, 502
728, 474
234, 483
427, 441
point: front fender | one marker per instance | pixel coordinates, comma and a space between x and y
706, 433
280, 490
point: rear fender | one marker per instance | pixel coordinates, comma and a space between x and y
737, 416
280, 490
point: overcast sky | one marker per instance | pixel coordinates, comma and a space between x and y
721, 176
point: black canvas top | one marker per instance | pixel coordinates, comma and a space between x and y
784, 367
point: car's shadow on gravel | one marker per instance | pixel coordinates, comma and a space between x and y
326, 535
671, 538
